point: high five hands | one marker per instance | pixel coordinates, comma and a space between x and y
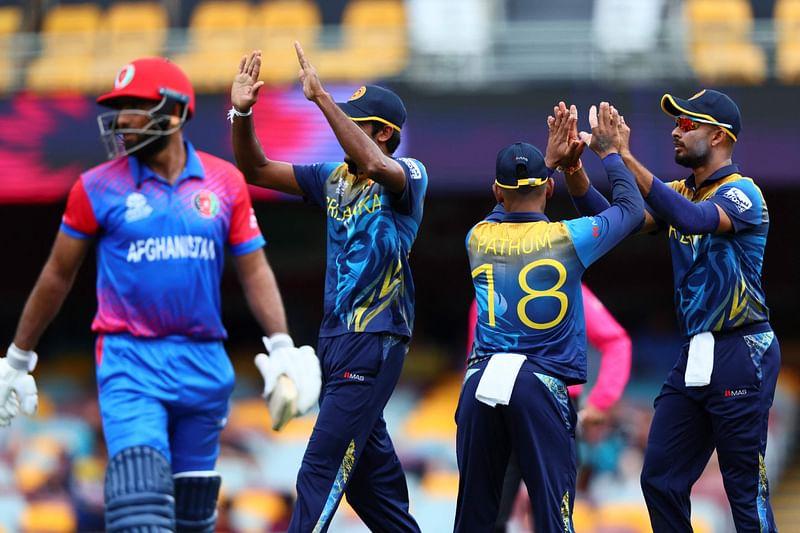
564, 147
606, 137
246, 85
312, 86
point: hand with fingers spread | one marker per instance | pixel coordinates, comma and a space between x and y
244, 91
312, 86
605, 136
564, 148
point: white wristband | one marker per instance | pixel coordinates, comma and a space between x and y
233, 113
20, 359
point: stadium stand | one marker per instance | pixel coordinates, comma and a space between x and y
69, 40
787, 45
719, 42
374, 42
128, 30
277, 24
217, 37
10, 21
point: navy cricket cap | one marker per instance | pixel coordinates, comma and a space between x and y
520, 164
371, 102
709, 107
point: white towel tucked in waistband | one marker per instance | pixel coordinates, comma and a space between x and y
700, 362
499, 376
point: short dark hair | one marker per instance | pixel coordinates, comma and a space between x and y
394, 140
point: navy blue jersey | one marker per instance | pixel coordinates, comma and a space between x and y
368, 283
718, 277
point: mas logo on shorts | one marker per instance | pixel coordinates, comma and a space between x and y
124, 77
206, 203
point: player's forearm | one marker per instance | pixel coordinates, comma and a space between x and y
42, 306
623, 192
364, 151
615, 368
263, 296
688, 217
247, 151
644, 178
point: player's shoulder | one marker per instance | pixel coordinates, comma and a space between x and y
116, 171
218, 165
415, 167
742, 192
118, 167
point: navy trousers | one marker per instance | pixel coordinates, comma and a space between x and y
539, 425
350, 452
729, 415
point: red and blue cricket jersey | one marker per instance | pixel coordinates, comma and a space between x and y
160, 247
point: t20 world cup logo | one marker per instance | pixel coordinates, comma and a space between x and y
206, 203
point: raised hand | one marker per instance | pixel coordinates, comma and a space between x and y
564, 147
624, 137
244, 91
312, 86
605, 137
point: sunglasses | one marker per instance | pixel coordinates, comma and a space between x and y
687, 124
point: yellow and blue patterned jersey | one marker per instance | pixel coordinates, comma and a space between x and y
368, 283
527, 275
718, 277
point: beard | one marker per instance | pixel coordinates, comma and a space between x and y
152, 148
155, 143
694, 158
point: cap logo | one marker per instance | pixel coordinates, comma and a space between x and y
124, 77
361, 91
698, 95
521, 158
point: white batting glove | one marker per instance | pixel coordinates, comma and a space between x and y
292, 378
17, 387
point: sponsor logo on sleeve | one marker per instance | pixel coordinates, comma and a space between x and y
739, 199
413, 167
137, 207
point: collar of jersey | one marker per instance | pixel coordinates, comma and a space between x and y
193, 168
525, 216
727, 170
499, 214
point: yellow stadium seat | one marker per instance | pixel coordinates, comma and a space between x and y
624, 517
440, 484
719, 40
130, 30
256, 510
787, 52
375, 41
48, 516
69, 39
432, 419
218, 37
277, 24
10, 19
